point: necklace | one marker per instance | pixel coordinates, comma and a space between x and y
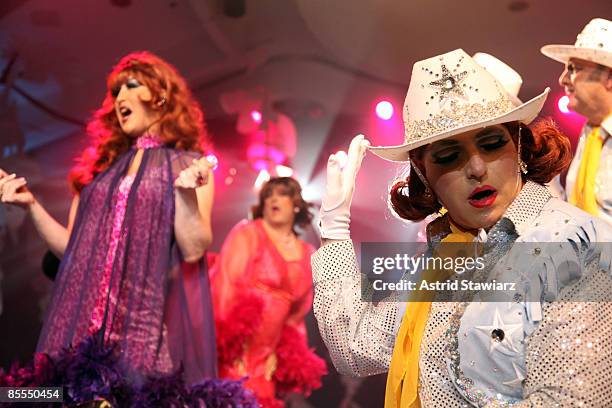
288, 240
147, 141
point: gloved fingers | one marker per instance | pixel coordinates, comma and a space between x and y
334, 175
334, 192
356, 153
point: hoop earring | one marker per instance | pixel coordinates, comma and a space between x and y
522, 166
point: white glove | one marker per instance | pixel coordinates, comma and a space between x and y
335, 214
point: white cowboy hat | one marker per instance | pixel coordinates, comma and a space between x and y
451, 94
593, 44
508, 77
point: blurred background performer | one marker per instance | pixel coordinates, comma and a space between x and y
262, 289
587, 80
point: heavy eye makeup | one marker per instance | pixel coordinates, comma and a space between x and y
487, 141
493, 140
446, 156
131, 83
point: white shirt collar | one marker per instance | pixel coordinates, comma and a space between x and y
607, 124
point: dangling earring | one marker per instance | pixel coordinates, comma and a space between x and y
428, 191
521, 164
296, 209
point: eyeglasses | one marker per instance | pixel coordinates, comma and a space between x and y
131, 83
573, 68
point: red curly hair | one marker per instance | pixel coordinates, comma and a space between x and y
181, 125
544, 149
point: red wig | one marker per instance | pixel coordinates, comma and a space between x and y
181, 125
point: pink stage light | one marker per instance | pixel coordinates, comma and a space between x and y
259, 151
562, 104
256, 116
384, 110
276, 155
260, 164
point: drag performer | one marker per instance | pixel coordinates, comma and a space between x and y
471, 152
587, 80
133, 277
262, 289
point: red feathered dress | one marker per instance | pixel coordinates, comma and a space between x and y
260, 301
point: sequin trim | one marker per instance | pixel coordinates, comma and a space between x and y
147, 142
526, 206
97, 315
466, 384
457, 115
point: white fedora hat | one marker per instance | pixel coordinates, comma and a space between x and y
451, 94
593, 44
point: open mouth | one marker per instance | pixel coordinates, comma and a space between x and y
125, 112
482, 196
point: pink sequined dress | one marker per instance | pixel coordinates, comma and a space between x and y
122, 277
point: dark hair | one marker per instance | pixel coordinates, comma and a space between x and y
303, 218
544, 149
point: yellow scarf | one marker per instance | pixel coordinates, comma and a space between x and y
583, 195
403, 377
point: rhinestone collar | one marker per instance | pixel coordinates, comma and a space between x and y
147, 141
527, 205
523, 210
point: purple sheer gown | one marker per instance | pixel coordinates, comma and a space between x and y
121, 277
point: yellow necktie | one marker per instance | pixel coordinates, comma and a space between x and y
403, 377
583, 195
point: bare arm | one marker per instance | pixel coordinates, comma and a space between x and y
192, 219
52, 232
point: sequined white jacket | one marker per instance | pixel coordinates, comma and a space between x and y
554, 353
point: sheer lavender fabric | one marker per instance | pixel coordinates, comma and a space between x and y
163, 317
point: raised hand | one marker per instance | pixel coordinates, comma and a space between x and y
14, 190
196, 175
336, 204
